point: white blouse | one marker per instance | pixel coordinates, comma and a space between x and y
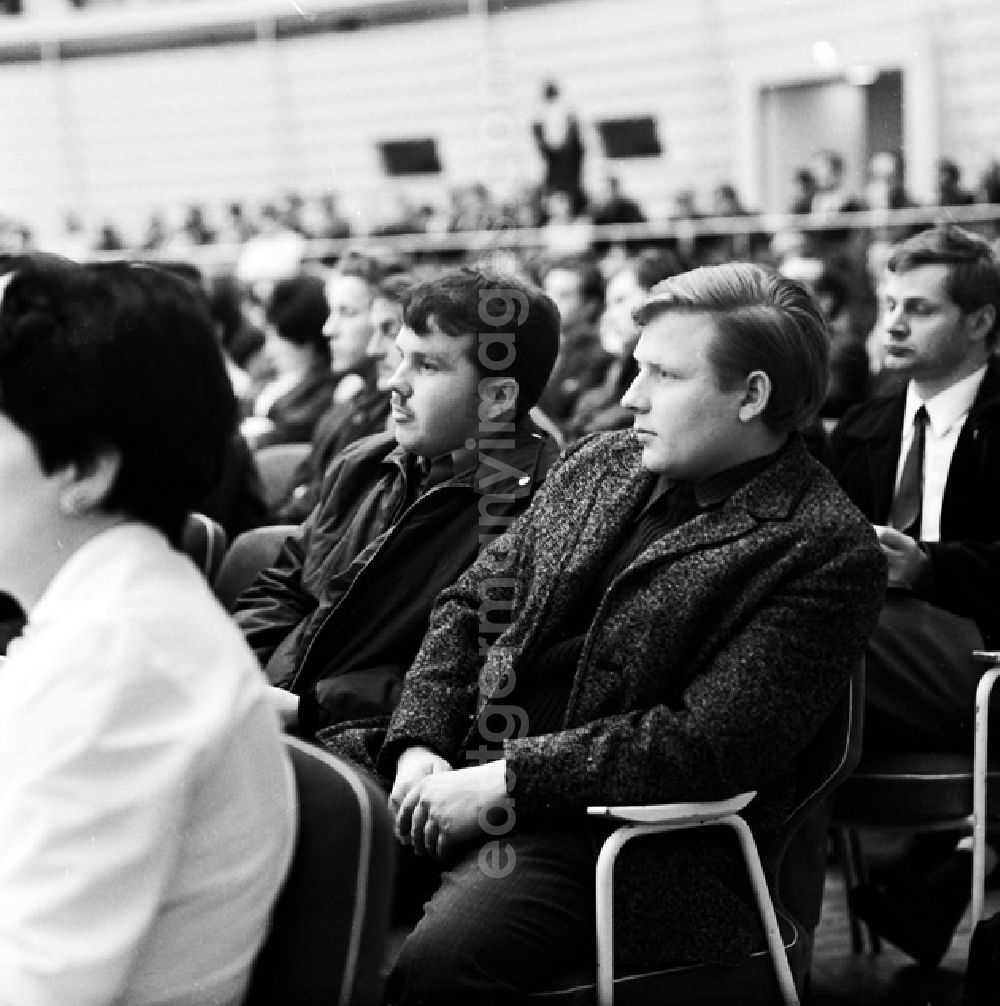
147, 809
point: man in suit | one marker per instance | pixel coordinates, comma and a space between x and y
686, 603
923, 464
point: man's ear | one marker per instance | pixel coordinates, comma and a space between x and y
756, 395
86, 485
498, 397
979, 323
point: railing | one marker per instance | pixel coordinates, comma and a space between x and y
501, 236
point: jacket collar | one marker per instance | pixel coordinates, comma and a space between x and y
507, 463
771, 494
883, 421
989, 391
774, 493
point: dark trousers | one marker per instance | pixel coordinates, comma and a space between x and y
920, 678
489, 939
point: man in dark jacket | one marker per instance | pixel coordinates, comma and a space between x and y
688, 600
923, 464
338, 619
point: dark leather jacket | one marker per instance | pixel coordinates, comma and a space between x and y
346, 646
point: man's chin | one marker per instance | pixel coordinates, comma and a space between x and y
652, 462
897, 364
407, 437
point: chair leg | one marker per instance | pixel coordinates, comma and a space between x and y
772, 933
849, 877
861, 877
979, 809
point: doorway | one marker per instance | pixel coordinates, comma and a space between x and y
857, 119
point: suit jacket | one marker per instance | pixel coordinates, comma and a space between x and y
965, 564
711, 661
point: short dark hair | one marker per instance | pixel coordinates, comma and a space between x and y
764, 321
298, 309
654, 265
394, 286
120, 356
973, 275
470, 302
370, 268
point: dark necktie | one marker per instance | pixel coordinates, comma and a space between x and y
906, 506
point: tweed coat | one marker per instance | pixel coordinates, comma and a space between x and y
711, 661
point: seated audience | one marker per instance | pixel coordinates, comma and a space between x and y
147, 814
287, 408
366, 413
923, 464
565, 232
803, 191
832, 193
274, 253
337, 620
598, 408
614, 206
950, 191
576, 286
886, 185
687, 603
849, 368
350, 293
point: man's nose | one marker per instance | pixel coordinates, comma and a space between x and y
376, 348
895, 321
398, 384
633, 398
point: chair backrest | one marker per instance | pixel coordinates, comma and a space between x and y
203, 540
827, 761
277, 465
328, 934
249, 553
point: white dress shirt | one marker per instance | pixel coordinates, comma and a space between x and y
147, 809
947, 412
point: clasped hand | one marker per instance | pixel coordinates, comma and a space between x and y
907, 560
438, 808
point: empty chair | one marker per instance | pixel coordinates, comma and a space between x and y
203, 540
925, 791
249, 553
277, 465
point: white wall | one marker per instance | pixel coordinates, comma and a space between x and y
118, 136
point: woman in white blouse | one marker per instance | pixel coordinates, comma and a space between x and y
147, 809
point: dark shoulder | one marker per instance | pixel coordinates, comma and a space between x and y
618, 445
359, 462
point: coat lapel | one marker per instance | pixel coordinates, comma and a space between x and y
878, 433
771, 495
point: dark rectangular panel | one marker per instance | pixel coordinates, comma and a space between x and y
633, 137
410, 157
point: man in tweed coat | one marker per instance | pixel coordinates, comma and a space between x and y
684, 603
